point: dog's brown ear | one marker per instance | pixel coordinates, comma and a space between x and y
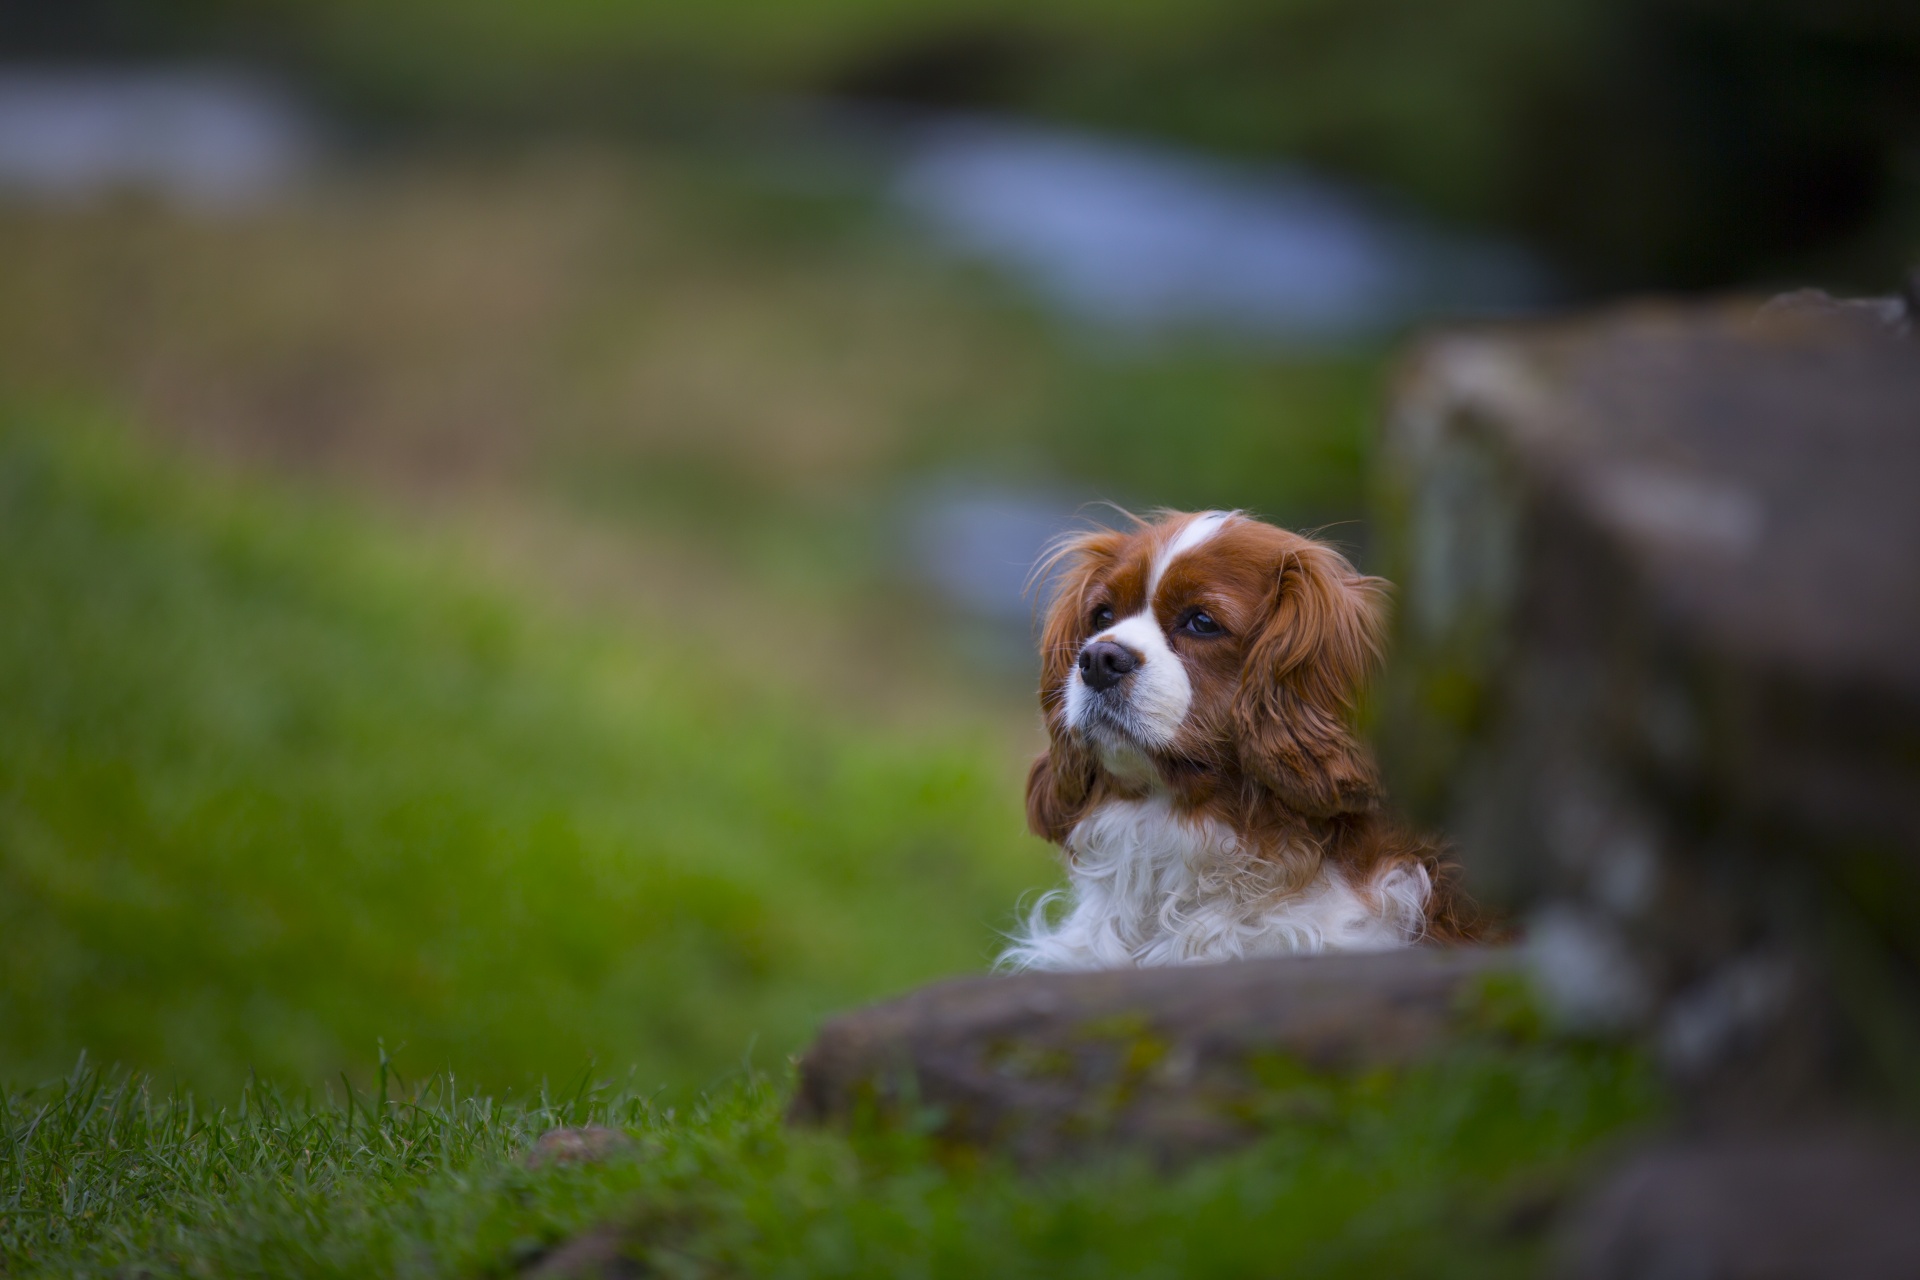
1062, 779
1058, 786
1321, 638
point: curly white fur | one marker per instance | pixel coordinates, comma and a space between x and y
1151, 887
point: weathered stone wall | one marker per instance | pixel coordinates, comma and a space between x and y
1657, 674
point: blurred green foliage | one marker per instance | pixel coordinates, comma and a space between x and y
273, 786
284, 778
283, 787
668, 343
1640, 142
274, 789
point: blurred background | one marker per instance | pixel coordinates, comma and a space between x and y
517, 515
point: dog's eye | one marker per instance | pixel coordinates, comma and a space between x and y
1102, 617
1201, 623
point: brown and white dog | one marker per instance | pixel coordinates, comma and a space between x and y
1197, 675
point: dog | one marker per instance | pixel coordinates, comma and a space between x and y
1198, 674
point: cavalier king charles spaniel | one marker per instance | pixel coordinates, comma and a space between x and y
1197, 676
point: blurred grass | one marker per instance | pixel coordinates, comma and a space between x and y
274, 785
1455, 1168
674, 757
451, 616
673, 346
283, 787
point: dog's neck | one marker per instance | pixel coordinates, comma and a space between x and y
1129, 771
1154, 885
1215, 789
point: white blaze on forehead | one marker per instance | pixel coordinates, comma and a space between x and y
1191, 535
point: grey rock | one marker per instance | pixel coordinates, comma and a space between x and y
1166, 1060
1658, 674
604, 1252
1894, 312
584, 1144
1805, 1205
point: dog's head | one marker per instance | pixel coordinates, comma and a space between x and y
1204, 646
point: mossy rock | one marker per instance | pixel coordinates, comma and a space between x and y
1173, 1061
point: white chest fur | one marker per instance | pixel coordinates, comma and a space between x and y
1150, 887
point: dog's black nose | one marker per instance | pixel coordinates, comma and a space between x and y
1103, 663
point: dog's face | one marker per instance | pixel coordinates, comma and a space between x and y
1206, 645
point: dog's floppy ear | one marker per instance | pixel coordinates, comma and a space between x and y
1321, 638
1062, 778
1057, 789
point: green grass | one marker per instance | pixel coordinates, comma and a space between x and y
1448, 1170
276, 784
367, 868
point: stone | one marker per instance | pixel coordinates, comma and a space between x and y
1799, 1205
603, 1252
1894, 313
1167, 1060
584, 1144
1657, 674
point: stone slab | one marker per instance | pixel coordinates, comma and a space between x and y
1168, 1060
